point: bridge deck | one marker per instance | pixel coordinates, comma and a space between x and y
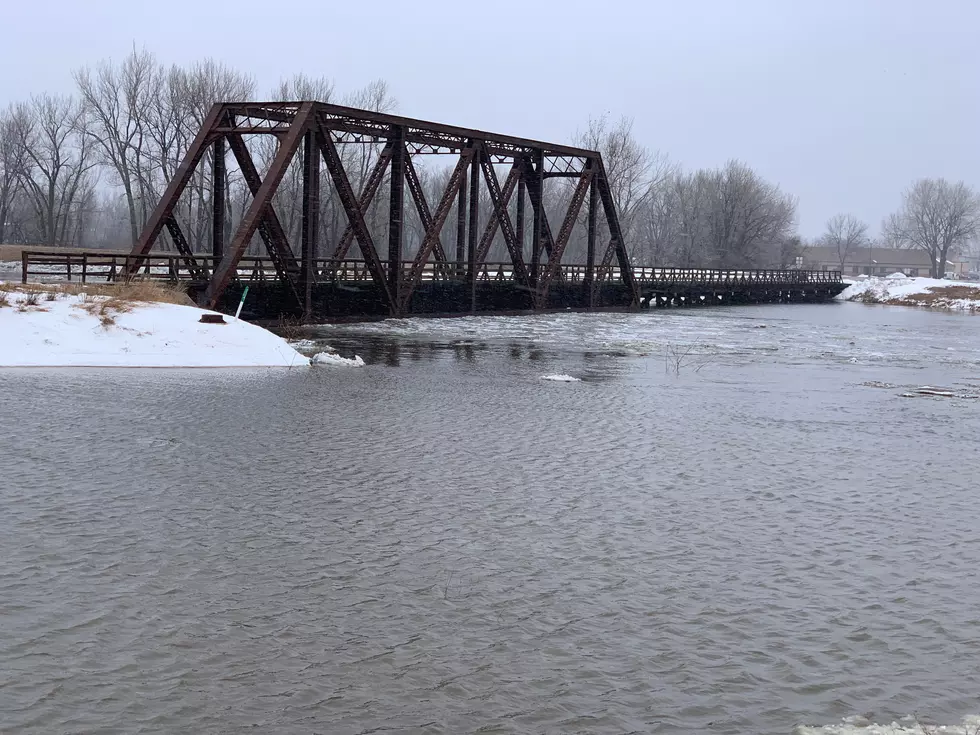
106, 266
345, 288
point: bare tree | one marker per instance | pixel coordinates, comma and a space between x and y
56, 162
844, 233
11, 163
937, 217
628, 167
748, 214
114, 103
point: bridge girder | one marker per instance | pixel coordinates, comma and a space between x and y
315, 130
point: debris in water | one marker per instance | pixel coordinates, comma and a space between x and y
328, 358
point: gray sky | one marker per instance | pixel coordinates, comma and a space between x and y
842, 103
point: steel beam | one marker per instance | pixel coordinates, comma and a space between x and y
568, 224
500, 216
226, 270
368, 192
615, 232
422, 206
521, 187
455, 185
474, 217
461, 225
396, 211
311, 217
535, 185
590, 244
218, 184
354, 215
171, 195
197, 271
270, 228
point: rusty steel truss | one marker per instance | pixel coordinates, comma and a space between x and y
315, 130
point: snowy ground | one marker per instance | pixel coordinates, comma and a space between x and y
902, 291
63, 333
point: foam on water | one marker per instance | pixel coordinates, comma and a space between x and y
860, 725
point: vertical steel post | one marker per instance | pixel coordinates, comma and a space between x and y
538, 234
519, 228
590, 254
396, 212
472, 265
311, 212
218, 183
461, 222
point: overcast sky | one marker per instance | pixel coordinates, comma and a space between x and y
841, 102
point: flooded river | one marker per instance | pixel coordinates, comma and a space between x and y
731, 521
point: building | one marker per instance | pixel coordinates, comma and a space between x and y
869, 261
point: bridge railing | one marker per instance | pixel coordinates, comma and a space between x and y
83, 266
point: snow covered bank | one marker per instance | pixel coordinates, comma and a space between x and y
77, 330
898, 290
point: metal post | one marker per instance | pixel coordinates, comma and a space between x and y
311, 212
218, 184
520, 214
471, 268
590, 254
396, 212
536, 237
461, 223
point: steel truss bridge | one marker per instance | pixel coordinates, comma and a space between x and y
448, 273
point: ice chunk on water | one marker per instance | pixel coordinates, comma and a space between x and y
328, 358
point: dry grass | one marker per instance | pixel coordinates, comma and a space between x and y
939, 293
104, 301
289, 328
136, 291
106, 309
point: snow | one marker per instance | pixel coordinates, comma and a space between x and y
560, 378
329, 358
61, 333
905, 291
908, 726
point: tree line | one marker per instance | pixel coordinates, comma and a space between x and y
939, 217
87, 169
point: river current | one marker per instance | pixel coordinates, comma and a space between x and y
743, 520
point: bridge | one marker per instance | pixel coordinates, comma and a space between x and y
351, 291
445, 274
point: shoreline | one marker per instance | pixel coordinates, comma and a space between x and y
137, 326
923, 293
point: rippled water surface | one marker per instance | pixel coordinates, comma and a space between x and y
734, 523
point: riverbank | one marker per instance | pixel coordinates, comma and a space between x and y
898, 290
135, 325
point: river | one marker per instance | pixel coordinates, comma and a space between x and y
735, 521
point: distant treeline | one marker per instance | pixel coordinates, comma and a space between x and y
86, 170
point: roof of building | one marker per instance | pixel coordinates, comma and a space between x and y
863, 256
